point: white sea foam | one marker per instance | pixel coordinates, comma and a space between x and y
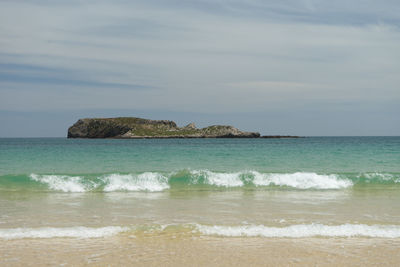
301, 180
62, 182
303, 230
148, 181
154, 181
48, 232
219, 179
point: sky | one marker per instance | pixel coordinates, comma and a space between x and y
299, 67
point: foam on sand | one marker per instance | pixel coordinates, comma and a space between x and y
303, 230
72, 232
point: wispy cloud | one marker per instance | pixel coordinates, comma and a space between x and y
216, 56
33, 75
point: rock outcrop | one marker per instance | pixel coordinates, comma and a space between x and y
129, 127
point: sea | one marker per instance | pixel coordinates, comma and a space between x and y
186, 201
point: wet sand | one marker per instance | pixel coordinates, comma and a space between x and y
173, 250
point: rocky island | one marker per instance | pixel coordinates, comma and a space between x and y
130, 127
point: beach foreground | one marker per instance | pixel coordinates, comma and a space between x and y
175, 250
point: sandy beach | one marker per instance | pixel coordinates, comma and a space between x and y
175, 250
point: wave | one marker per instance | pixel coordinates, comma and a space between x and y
192, 179
49, 232
302, 180
376, 177
299, 180
148, 181
217, 179
292, 231
62, 182
303, 230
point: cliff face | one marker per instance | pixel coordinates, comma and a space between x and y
129, 127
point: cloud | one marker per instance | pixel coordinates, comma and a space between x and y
199, 56
33, 75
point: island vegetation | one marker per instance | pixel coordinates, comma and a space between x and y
131, 127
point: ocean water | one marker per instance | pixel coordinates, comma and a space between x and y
320, 187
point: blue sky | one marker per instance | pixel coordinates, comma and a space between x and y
279, 67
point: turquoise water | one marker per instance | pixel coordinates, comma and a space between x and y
327, 154
178, 162
315, 186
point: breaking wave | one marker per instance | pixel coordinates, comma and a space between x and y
302, 180
148, 181
217, 179
192, 179
299, 180
62, 182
